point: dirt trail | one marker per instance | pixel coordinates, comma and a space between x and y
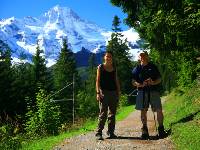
128, 130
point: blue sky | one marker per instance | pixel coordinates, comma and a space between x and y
100, 12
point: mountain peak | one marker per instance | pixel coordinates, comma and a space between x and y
22, 35
57, 11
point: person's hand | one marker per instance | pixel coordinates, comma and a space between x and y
141, 85
100, 96
148, 82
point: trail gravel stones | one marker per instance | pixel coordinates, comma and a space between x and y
128, 132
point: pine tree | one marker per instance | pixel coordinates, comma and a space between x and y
39, 68
121, 55
64, 70
7, 105
91, 81
23, 86
86, 99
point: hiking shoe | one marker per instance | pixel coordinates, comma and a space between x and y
145, 133
111, 135
161, 132
99, 136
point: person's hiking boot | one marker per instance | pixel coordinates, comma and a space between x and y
111, 135
161, 132
99, 136
145, 133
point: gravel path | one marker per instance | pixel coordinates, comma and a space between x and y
129, 132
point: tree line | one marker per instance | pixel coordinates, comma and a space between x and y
27, 88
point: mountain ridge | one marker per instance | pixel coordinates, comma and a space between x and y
49, 30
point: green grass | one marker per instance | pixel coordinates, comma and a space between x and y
48, 143
124, 112
182, 116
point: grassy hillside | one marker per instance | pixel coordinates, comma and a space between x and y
182, 117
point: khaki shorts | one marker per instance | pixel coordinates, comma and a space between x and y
143, 100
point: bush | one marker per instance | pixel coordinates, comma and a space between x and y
124, 100
8, 139
88, 106
45, 118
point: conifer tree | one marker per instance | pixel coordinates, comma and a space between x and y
39, 68
91, 74
7, 105
64, 70
121, 55
23, 86
86, 99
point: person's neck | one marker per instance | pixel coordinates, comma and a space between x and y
108, 64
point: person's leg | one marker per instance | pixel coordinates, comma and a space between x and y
157, 106
144, 117
145, 133
103, 109
141, 102
161, 129
160, 116
112, 105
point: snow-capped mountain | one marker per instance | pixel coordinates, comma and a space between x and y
49, 30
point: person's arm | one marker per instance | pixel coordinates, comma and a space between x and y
137, 84
98, 80
98, 88
157, 79
135, 78
154, 82
118, 86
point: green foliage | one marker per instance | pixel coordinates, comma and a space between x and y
182, 117
121, 58
64, 70
39, 68
88, 105
172, 29
22, 86
9, 140
6, 80
124, 101
90, 125
186, 72
116, 24
45, 118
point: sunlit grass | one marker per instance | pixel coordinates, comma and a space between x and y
48, 143
182, 116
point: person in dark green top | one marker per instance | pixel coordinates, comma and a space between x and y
108, 92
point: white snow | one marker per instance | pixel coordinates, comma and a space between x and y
50, 29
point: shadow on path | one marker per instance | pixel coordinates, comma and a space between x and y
182, 120
137, 138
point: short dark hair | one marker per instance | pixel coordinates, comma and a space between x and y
144, 53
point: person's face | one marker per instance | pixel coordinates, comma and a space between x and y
143, 58
108, 57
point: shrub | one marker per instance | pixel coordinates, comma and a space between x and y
8, 139
45, 118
